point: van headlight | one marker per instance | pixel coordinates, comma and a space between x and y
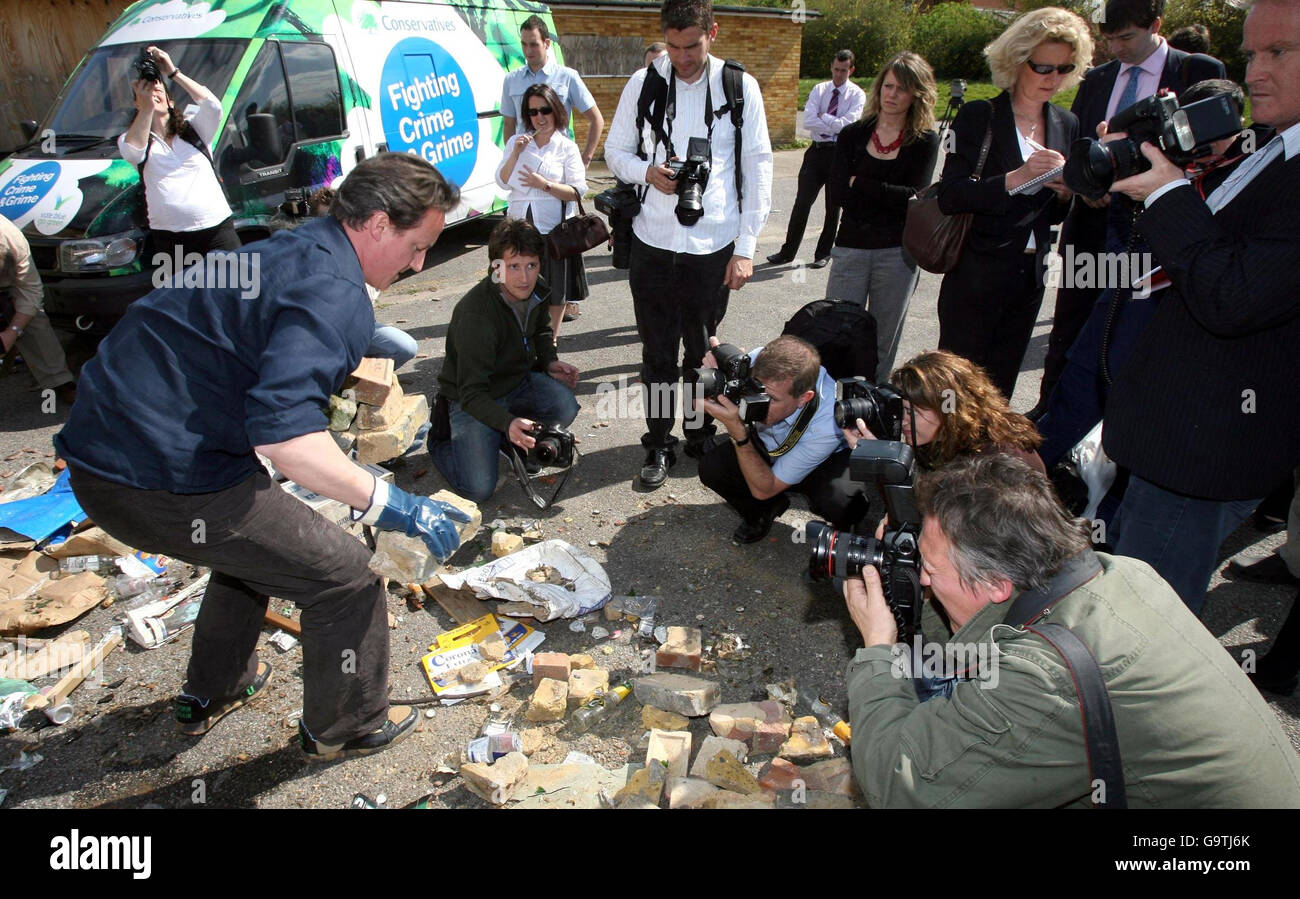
99, 254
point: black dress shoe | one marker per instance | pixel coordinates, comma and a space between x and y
779, 259
756, 530
821, 262
1283, 686
696, 449
655, 470
1268, 569
1267, 524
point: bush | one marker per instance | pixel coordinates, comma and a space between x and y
1225, 24
952, 38
873, 29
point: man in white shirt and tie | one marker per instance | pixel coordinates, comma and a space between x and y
831, 105
1204, 412
681, 256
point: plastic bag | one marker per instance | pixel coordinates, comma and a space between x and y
507, 579
1094, 468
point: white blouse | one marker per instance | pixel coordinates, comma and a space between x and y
559, 162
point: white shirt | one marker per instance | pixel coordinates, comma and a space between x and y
1028, 148
180, 184
559, 162
819, 123
722, 222
1148, 81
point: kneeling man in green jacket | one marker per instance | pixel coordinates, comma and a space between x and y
501, 375
1003, 727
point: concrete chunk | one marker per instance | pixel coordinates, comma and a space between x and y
585, 683
549, 702
711, 747
689, 792
807, 741
680, 693
388, 443
725, 771
644, 788
504, 543
657, 719
671, 749
342, 412
497, 781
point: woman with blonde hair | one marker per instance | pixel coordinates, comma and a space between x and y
953, 409
881, 161
988, 304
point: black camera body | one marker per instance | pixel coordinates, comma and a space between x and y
733, 380
896, 555
552, 446
146, 68
692, 175
1183, 134
878, 405
620, 205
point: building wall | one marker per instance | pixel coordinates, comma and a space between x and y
768, 45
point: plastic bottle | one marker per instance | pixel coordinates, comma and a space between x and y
830, 718
599, 707
77, 564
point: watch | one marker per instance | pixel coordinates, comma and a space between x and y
176, 71
736, 442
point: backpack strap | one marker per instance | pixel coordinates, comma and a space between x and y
650, 107
733, 89
1102, 742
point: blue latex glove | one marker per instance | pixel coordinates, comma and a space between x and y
393, 509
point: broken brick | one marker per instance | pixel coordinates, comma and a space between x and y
585, 683
370, 418
682, 649
549, 702
680, 693
372, 381
763, 726
554, 665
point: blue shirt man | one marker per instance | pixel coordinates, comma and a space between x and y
535, 39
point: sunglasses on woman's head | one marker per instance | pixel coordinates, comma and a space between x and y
1044, 69
544, 110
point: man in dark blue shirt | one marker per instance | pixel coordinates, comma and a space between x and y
195, 381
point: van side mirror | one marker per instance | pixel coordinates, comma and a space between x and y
28, 128
264, 137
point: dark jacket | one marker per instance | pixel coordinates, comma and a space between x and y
1002, 222
873, 210
488, 354
1086, 227
1207, 404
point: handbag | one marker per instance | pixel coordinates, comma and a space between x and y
576, 235
932, 238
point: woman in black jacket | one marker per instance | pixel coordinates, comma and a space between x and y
989, 303
881, 161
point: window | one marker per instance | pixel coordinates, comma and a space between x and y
314, 84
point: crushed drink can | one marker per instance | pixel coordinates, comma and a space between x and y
488, 749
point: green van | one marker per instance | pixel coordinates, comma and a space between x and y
308, 88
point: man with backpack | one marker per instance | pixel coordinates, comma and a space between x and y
700, 217
796, 447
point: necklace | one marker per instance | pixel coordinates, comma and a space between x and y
886, 148
1033, 123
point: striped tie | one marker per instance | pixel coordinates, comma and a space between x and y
835, 102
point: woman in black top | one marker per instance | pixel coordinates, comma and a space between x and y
989, 303
880, 162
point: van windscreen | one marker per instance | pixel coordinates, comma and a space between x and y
96, 105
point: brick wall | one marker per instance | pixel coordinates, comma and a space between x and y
768, 46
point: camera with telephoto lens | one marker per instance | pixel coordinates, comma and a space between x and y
552, 446
896, 555
878, 405
1183, 134
146, 67
956, 90
620, 205
733, 380
691, 175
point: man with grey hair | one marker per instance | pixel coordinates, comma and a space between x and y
194, 383
1004, 560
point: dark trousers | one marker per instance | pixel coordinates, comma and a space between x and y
1085, 230
813, 175
831, 493
203, 241
259, 542
988, 305
675, 298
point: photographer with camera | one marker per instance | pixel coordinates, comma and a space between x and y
707, 188
187, 210
777, 405
1204, 412
1057, 626
501, 381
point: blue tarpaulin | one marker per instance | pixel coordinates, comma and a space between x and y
40, 516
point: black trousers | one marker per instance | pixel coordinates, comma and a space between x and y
259, 542
203, 241
1085, 230
988, 305
813, 175
831, 493
675, 298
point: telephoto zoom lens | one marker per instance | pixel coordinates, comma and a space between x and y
839, 554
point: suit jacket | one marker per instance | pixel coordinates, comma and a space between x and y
1208, 405
1086, 227
1001, 223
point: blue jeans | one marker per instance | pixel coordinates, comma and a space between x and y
469, 459
1179, 536
392, 343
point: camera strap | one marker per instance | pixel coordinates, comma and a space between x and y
670, 107
800, 425
526, 482
1101, 740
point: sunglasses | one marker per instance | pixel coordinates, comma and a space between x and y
1044, 69
546, 110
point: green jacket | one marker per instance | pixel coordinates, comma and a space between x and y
488, 355
1193, 731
